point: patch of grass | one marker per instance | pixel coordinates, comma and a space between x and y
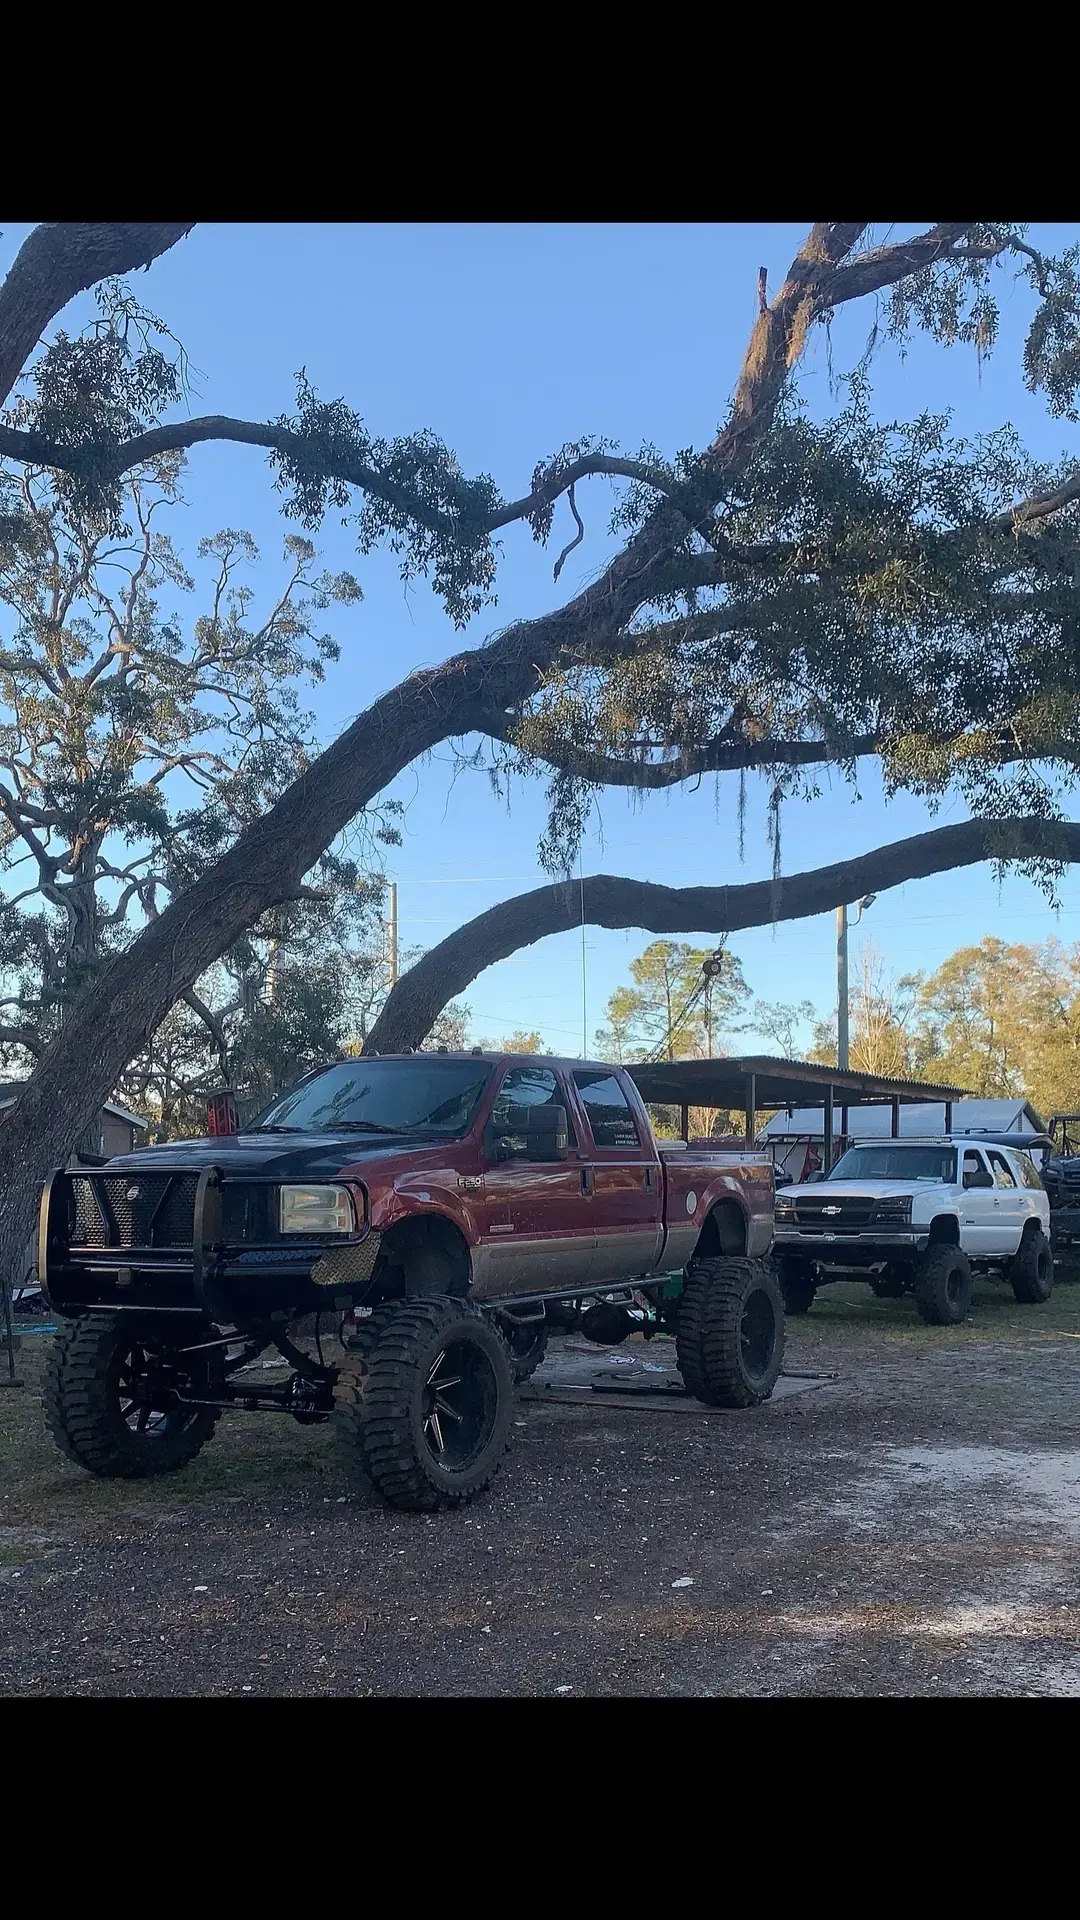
846, 1309
250, 1457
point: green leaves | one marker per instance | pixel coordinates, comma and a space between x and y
136, 742
415, 498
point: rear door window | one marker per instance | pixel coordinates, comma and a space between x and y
607, 1109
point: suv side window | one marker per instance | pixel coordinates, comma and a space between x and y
975, 1171
1001, 1170
608, 1108
1029, 1172
531, 1086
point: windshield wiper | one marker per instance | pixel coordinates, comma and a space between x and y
361, 1126
272, 1129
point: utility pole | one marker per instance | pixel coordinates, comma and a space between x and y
842, 1037
841, 990
391, 927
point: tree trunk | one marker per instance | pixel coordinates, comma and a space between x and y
60, 259
266, 866
605, 900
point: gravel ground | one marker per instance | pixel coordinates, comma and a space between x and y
909, 1528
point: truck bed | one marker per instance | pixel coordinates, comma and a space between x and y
697, 1174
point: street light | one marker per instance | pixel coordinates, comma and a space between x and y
842, 976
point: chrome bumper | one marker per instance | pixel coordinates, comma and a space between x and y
828, 1245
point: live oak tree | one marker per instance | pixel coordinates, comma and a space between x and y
135, 743
789, 596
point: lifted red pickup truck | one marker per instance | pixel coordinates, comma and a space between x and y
448, 1209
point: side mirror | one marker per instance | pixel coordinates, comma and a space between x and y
547, 1134
544, 1130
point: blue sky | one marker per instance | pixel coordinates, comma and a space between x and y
508, 340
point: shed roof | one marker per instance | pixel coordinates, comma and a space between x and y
11, 1089
777, 1083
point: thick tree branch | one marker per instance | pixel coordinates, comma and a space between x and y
22, 1037
110, 462
716, 756
60, 259
883, 266
606, 900
214, 1026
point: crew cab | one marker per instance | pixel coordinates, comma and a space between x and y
921, 1217
444, 1209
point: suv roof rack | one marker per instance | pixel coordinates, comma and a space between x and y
1018, 1140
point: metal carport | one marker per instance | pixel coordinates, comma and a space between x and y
757, 1081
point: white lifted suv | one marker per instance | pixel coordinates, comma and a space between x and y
918, 1216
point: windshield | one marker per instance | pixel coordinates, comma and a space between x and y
894, 1162
423, 1095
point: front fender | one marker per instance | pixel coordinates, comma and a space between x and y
457, 1197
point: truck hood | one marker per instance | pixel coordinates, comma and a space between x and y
305, 1156
859, 1189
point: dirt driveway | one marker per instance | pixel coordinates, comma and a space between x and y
909, 1528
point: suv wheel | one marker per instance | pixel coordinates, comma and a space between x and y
943, 1287
1032, 1271
428, 1410
730, 1339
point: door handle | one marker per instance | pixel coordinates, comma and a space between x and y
650, 1179
586, 1180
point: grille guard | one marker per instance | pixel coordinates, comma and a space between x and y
207, 1277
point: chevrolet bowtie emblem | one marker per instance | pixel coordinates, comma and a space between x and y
830, 1210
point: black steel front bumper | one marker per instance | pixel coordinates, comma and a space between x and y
235, 1282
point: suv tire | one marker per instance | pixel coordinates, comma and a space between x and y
943, 1286
1032, 1270
730, 1339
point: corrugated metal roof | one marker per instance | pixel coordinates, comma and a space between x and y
968, 1116
778, 1083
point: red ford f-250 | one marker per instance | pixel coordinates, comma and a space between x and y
447, 1209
